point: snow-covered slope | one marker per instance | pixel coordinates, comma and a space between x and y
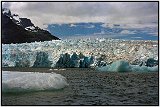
24, 22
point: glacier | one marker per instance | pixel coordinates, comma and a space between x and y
31, 81
88, 52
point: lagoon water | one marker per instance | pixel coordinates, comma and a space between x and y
89, 87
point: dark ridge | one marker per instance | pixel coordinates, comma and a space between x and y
13, 33
26, 22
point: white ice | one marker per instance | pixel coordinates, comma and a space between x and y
27, 81
113, 49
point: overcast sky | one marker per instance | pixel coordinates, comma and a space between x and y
69, 12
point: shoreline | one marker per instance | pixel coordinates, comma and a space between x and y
49, 70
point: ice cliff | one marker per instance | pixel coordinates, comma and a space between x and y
80, 52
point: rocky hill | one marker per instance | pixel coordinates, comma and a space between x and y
21, 30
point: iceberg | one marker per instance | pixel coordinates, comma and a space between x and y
31, 81
103, 68
119, 66
124, 66
137, 68
153, 69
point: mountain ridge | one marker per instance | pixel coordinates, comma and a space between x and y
21, 30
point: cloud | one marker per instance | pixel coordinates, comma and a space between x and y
100, 33
153, 33
91, 26
136, 37
71, 12
140, 25
127, 32
72, 25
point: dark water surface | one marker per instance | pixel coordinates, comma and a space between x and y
89, 87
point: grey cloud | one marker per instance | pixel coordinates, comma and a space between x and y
50, 12
6, 5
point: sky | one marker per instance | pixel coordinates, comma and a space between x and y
44, 13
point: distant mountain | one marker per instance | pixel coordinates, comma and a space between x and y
137, 31
21, 30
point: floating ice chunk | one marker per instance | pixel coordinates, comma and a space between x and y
153, 69
137, 68
103, 68
119, 66
123, 66
29, 81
